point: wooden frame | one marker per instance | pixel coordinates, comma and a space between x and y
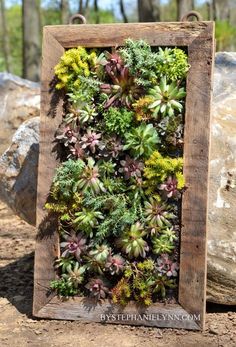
197, 37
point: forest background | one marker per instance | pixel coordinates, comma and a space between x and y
21, 23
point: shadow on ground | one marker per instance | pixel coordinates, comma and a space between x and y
17, 283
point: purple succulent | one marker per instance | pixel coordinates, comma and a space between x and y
77, 151
112, 147
169, 187
131, 167
115, 264
114, 63
97, 288
66, 135
91, 140
74, 245
167, 266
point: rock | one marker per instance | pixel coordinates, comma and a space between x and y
19, 101
18, 171
221, 285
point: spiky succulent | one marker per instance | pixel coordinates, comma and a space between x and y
75, 274
167, 98
161, 283
122, 91
169, 234
91, 140
98, 288
73, 245
89, 178
100, 253
131, 167
169, 188
158, 213
112, 147
166, 266
66, 135
86, 220
87, 114
77, 151
115, 264
142, 141
132, 242
162, 245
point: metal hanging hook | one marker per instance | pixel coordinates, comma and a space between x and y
77, 16
195, 14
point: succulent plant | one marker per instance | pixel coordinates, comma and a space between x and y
107, 168
98, 289
162, 281
158, 213
64, 262
75, 274
112, 147
166, 266
66, 135
131, 167
115, 264
114, 63
73, 245
118, 120
86, 220
162, 245
132, 242
169, 187
89, 179
100, 253
87, 114
91, 140
141, 107
166, 98
77, 151
64, 287
142, 141
169, 234
122, 91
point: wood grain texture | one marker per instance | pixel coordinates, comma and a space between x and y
85, 309
197, 37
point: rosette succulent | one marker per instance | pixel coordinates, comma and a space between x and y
166, 266
98, 288
91, 140
100, 253
73, 245
132, 242
169, 187
167, 99
86, 219
162, 245
157, 213
142, 141
115, 264
89, 178
131, 167
66, 135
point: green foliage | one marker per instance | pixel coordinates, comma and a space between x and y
225, 35
158, 168
86, 220
74, 63
118, 120
64, 287
166, 99
142, 141
162, 245
172, 64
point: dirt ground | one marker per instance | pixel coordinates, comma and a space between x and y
19, 328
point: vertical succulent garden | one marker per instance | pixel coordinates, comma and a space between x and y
117, 191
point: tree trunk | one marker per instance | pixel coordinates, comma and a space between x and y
96, 10
122, 10
31, 39
221, 9
65, 11
148, 10
5, 38
183, 6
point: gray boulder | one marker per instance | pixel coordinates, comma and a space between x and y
19, 101
18, 171
221, 286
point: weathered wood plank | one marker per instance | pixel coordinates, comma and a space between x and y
192, 280
157, 315
163, 34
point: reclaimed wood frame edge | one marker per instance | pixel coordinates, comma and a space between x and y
200, 42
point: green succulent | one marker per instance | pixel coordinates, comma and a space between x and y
100, 252
87, 114
166, 99
86, 220
142, 141
132, 242
64, 287
169, 234
118, 120
162, 245
161, 283
89, 178
75, 274
157, 213
64, 262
